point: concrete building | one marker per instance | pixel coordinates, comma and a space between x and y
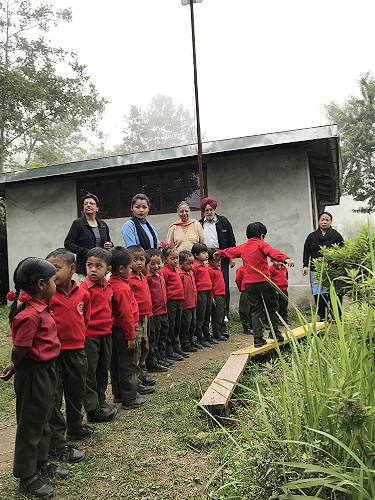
282, 179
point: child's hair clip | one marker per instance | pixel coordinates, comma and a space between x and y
11, 296
24, 297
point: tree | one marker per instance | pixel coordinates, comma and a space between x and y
356, 121
163, 124
36, 102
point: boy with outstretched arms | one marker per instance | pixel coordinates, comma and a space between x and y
98, 344
258, 288
71, 308
125, 355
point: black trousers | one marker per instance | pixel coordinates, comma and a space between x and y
260, 295
245, 312
204, 304
283, 303
98, 351
188, 321
151, 359
71, 367
174, 308
224, 264
35, 386
217, 315
160, 324
141, 332
124, 363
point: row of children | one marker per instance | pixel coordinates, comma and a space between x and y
66, 337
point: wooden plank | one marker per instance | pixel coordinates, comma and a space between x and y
217, 396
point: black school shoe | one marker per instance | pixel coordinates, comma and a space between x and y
143, 389
221, 338
175, 357
34, 486
67, 453
248, 332
105, 413
84, 432
183, 353
134, 403
157, 368
278, 335
190, 348
196, 345
203, 342
260, 342
52, 470
147, 380
211, 340
165, 362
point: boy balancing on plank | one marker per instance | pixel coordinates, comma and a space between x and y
259, 290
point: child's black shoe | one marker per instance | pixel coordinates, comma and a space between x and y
68, 453
221, 338
135, 403
147, 380
34, 486
196, 345
279, 336
165, 362
182, 352
104, 413
260, 342
211, 340
143, 389
85, 430
157, 368
52, 470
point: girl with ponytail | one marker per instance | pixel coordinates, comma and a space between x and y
35, 346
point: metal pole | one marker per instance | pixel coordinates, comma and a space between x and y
200, 165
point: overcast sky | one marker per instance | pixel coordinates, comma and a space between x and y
263, 66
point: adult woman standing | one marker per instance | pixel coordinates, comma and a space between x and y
137, 231
185, 232
325, 235
87, 232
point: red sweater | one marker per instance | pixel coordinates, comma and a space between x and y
240, 282
190, 289
173, 282
72, 313
35, 329
158, 292
141, 293
122, 306
254, 254
201, 276
101, 308
279, 276
217, 280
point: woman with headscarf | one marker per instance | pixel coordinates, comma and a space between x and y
326, 236
185, 232
137, 231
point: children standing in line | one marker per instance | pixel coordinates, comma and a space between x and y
156, 359
98, 344
244, 308
71, 308
125, 352
254, 254
189, 302
138, 284
175, 294
218, 295
204, 295
279, 275
35, 347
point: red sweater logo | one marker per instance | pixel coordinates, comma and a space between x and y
80, 306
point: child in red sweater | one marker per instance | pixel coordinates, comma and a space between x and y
175, 294
138, 284
204, 295
279, 275
189, 302
244, 308
98, 343
218, 295
156, 360
258, 289
71, 308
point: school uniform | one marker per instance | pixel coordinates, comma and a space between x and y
175, 294
204, 299
142, 295
98, 343
124, 361
189, 305
254, 254
218, 293
35, 382
244, 308
159, 321
72, 312
280, 278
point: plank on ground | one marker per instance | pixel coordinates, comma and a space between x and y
217, 396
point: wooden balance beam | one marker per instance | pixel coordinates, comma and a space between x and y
216, 398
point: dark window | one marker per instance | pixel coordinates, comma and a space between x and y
165, 188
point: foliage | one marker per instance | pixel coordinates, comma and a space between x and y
356, 121
162, 124
40, 109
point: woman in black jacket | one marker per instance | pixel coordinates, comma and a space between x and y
326, 236
87, 232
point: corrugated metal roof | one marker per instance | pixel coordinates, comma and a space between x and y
177, 153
